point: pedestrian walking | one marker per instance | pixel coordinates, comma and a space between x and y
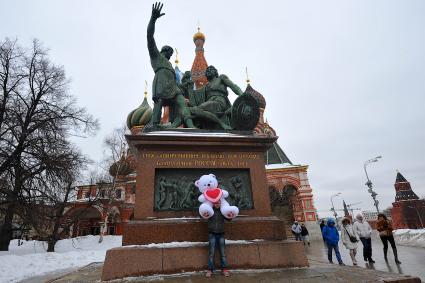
349, 238
216, 239
364, 231
304, 234
296, 230
385, 230
331, 236
322, 224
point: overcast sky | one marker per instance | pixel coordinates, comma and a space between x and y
344, 81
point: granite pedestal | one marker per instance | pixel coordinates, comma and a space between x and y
168, 152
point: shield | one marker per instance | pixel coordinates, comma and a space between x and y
245, 113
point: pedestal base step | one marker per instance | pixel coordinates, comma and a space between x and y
143, 232
144, 260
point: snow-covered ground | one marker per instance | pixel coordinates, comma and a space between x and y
410, 237
31, 258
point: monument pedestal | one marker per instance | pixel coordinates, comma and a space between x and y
196, 230
136, 261
166, 208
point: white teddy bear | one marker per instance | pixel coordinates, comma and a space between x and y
208, 186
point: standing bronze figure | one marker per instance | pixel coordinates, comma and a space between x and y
165, 91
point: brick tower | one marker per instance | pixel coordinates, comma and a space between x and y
408, 210
199, 64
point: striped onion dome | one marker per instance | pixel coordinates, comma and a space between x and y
140, 116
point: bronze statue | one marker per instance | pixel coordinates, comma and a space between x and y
164, 87
209, 106
217, 106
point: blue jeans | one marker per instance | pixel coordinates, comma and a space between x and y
216, 240
337, 254
367, 248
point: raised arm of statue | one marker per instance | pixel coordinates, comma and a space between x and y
237, 90
156, 13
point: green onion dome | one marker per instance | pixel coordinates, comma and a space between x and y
140, 116
122, 167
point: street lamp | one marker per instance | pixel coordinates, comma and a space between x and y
369, 182
420, 218
333, 208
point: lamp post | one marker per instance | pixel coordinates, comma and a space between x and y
369, 182
333, 208
419, 215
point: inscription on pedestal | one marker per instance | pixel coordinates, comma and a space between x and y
175, 188
193, 160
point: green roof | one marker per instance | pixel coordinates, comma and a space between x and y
275, 155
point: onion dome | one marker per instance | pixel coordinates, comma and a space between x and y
198, 36
141, 115
122, 167
258, 96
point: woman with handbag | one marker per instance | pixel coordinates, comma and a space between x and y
349, 238
385, 230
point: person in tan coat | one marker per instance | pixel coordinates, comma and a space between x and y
385, 230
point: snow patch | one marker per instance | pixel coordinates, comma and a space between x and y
192, 134
178, 218
31, 259
410, 237
189, 244
280, 166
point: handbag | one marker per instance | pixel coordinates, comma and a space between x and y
352, 238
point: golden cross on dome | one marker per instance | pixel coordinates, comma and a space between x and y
177, 57
247, 77
146, 89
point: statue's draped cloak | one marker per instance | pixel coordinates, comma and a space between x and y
164, 85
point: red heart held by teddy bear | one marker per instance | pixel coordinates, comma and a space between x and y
213, 195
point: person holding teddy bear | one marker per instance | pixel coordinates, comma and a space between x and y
216, 209
216, 239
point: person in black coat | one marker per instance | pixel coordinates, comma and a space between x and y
322, 224
304, 234
216, 239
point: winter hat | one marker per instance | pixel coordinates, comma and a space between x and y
346, 219
359, 216
331, 221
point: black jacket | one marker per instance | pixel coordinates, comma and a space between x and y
304, 231
216, 222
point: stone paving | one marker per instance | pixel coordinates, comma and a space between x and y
318, 271
412, 258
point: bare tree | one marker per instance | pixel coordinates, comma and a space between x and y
115, 162
38, 115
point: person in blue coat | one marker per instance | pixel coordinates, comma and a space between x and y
331, 237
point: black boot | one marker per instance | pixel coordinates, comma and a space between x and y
396, 256
385, 254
